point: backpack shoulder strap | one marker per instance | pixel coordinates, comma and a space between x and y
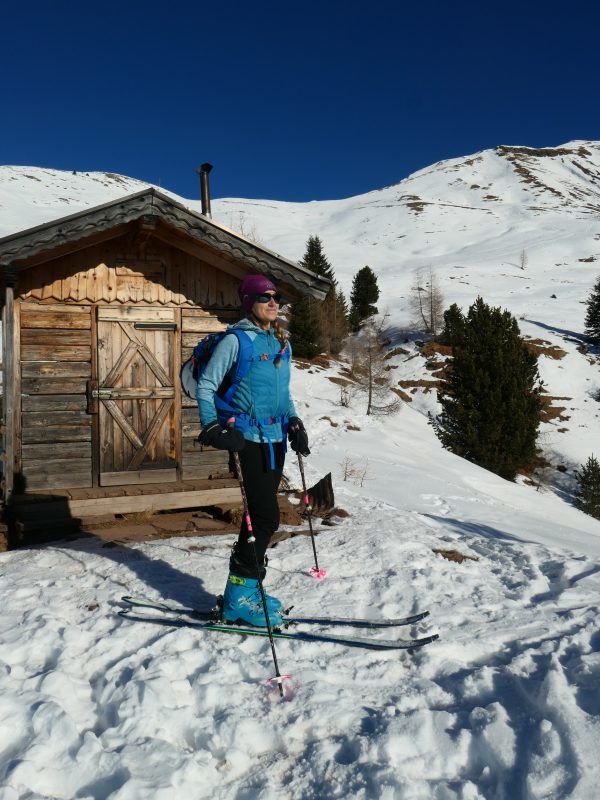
243, 362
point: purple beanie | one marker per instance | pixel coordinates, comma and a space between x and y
251, 286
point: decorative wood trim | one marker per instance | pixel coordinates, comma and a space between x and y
153, 428
118, 416
121, 364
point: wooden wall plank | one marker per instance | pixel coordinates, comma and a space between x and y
198, 457
55, 353
53, 402
36, 419
64, 480
69, 317
190, 429
57, 369
136, 313
56, 337
48, 386
190, 340
138, 477
187, 311
65, 451
56, 466
205, 471
202, 325
57, 433
190, 415
66, 309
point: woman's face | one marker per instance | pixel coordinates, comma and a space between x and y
266, 313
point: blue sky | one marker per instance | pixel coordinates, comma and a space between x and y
291, 100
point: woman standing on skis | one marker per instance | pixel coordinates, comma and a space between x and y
264, 416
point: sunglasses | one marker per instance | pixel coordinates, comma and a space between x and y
266, 298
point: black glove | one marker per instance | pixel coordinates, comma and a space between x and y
298, 436
215, 435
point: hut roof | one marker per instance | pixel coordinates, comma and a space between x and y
150, 204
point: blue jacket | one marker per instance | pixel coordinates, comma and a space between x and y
262, 394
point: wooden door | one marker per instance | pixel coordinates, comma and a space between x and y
137, 394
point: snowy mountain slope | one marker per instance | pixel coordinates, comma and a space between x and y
475, 221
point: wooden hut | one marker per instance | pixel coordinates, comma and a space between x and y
100, 309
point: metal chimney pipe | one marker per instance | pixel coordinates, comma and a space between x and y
203, 171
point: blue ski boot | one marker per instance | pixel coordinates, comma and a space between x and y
240, 570
242, 603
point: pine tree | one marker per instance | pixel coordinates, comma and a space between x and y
331, 313
490, 398
304, 328
454, 325
340, 323
587, 496
364, 295
315, 260
592, 317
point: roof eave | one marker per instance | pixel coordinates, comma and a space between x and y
16, 249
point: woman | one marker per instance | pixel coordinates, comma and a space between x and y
264, 415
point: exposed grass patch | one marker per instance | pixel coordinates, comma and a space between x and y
435, 348
540, 347
397, 351
454, 555
550, 412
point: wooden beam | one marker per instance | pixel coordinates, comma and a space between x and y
152, 502
9, 358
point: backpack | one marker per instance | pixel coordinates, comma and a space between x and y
193, 368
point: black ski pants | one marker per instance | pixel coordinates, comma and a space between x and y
261, 484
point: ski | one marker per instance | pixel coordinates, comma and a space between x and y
213, 616
298, 636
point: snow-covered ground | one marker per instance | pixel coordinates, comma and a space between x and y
505, 705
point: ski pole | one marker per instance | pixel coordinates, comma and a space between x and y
317, 573
252, 541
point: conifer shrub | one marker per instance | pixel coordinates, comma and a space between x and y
364, 295
317, 326
304, 328
587, 496
592, 317
490, 397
